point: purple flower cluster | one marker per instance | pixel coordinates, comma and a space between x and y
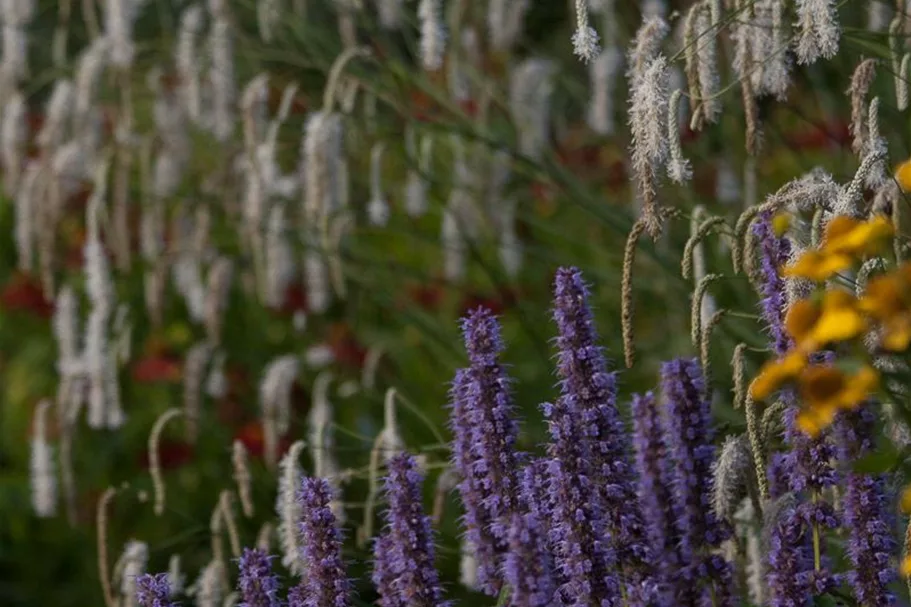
153, 590
587, 387
866, 513
528, 568
688, 440
258, 587
404, 571
484, 447
774, 252
326, 583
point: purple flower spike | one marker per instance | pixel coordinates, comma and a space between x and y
528, 568
484, 445
404, 571
326, 583
592, 391
153, 590
789, 556
654, 484
258, 586
774, 253
688, 436
867, 506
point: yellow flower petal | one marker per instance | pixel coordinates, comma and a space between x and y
903, 175
818, 266
775, 373
906, 499
864, 238
780, 224
801, 318
813, 421
896, 336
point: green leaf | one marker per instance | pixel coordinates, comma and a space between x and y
882, 460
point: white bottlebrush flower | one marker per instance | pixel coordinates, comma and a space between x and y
603, 73
288, 508
389, 13
27, 199
208, 589
530, 88
268, 17
708, 72
585, 38
221, 79
66, 331
505, 19
727, 184
653, 8
433, 34
377, 206
468, 566
678, 167
217, 382
818, 30
645, 47
318, 356
118, 29
280, 268
416, 185
43, 477
89, 69
215, 300
316, 279
176, 578
57, 112
275, 402
879, 14
133, 564
647, 115
453, 245
15, 52
323, 160
510, 248
187, 59
17, 12
13, 139
194, 370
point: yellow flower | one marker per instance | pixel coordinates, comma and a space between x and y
800, 319
780, 224
906, 567
888, 300
840, 320
903, 175
906, 500
826, 390
818, 266
846, 239
847, 235
776, 373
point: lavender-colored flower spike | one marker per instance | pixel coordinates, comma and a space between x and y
528, 567
688, 436
654, 484
774, 254
404, 574
484, 446
326, 583
586, 386
257, 585
153, 590
789, 555
871, 544
476, 519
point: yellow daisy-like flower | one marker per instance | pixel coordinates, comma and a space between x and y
776, 373
905, 500
780, 224
888, 300
818, 266
905, 569
903, 175
840, 320
826, 390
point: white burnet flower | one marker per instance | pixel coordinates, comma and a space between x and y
647, 116
90, 67
818, 30
268, 17
585, 38
280, 266
389, 13
288, 508
433, 34
530, 89
17, 12
187, 60
377, 206
221, 78
505, 19
416, 184
275, 402
645, 47
43, 472
13, 141
15, 52
131, 565
603, 72
678, 167
54, 130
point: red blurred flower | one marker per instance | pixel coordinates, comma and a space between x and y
346, 350
157, 368
251, 435
23, 294
820, 136
427, 296
172, 453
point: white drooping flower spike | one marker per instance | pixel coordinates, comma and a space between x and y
43, 469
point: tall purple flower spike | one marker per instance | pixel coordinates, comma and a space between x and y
528, 568
404, 572
867, 506
153, 590
774, 253
688, 437
484, 445
654, 471
586, 386
258, 586
326, 583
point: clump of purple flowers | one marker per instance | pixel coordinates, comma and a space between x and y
258, 586
404, 571
153, 590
